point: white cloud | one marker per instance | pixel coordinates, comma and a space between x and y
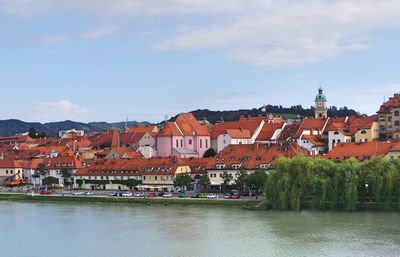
99, 32
268, 33
52, 40
60, 110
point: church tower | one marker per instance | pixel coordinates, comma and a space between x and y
321, 110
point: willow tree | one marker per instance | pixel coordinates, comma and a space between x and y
350, 168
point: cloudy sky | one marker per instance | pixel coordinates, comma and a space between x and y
102, 60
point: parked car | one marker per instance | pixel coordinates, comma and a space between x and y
116, 194
127, 194
139, 194
234, 196
211, 196
167, 195
77, 193
195, 195
227, 196
183, 195
89, 193
45, 192
203, 195
152, 195
161, 194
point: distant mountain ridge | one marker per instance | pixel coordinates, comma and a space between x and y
13, 126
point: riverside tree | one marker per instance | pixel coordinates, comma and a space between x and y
324, 184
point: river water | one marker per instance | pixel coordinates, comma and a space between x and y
101, 230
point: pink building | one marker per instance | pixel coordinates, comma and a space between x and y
184, 138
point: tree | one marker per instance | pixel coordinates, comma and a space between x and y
241, 180
66, 175
33, 133
50, 181
204, 181
227, 178
41, 170
183, 181
132, 183
209, 153
256, 180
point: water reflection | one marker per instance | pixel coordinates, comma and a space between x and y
122, 230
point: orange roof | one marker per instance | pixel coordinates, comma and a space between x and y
352, 125
254, 155
132, 167
396, 147
360, 151
393, 102
268, 131
190, 126
239, 133
185, 125
170, 129
221, 128
151, 129
311, 124
10, 164
315, 140
289, 132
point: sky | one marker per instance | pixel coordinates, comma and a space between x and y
102, 60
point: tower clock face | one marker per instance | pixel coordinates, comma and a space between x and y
319, 104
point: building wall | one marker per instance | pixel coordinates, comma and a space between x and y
393, 155
147, 140
389, 123
8, 172
369, 135
334, 139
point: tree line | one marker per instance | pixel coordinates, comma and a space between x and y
325, 184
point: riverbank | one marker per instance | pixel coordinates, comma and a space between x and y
125, 200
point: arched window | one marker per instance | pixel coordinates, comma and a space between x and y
363, 132
190, 141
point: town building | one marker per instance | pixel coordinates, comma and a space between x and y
185, 137
321, 109
389, 118
10, 169
249, 158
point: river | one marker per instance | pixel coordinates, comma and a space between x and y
104, 230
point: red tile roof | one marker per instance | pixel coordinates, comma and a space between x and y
393, 102
360, 151
9, 164
221, 128
254, 155
268, 131
239, 133
185, 125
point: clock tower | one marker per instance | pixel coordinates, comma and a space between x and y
321, 110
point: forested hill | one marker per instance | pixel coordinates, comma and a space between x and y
12, 127
285, 112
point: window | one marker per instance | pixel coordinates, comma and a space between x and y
396, 113
181, 142
397, 123
177, 143
144, 177
206, 143
363, 132
155, 178
201, 143
220, 175
190, 141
